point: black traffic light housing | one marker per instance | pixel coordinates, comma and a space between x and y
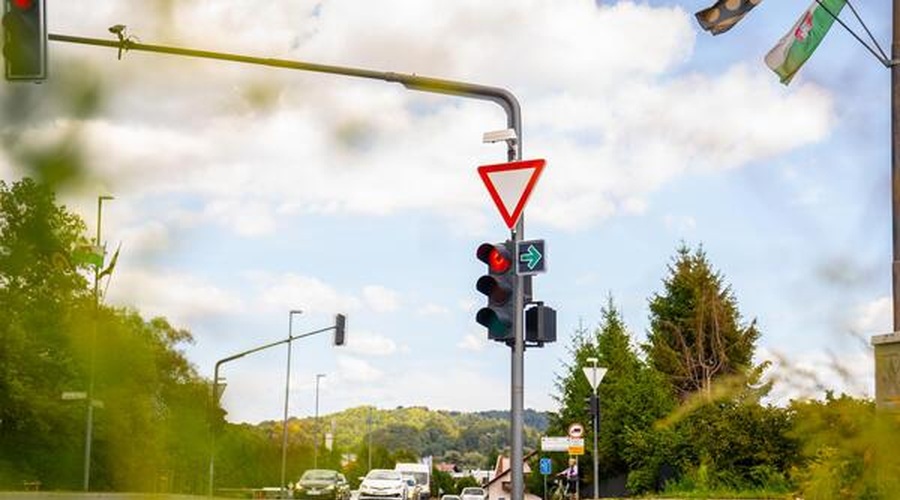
497, 316
25, 40
540, 324
592, 405
340, 325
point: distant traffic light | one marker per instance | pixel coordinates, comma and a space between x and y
497, 285
592, 405
24, 39
340, 325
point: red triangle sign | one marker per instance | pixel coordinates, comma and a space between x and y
510, 185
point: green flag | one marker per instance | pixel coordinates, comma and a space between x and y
724, 14
112, 263
797, 45
88, 255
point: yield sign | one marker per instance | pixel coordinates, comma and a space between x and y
510, 185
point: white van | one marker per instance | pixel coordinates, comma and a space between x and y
421, 472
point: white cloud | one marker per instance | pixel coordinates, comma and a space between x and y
291, 291
338, 145
370, 344
181, 297
800, 375
357, 370
381, 299
471, 343
874, 316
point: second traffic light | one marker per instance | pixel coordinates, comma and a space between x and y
497, 316
24, 40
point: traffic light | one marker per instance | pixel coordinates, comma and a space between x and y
24, 39
497, 285
592, 405
340, 325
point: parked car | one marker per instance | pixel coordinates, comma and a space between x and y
382, 484
473, 493
322, 484
450, 497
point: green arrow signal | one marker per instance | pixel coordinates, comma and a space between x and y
531, 257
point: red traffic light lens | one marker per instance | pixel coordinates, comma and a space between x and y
23, 4
498, 262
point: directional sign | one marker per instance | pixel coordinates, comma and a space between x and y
576, 446
546, 466
531, 257
510, 185
552, 443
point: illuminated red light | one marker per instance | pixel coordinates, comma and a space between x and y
23, 4
498, 262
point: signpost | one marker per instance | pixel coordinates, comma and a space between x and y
546, 467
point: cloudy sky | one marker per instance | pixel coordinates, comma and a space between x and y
244, 192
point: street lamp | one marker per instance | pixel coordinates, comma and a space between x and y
316, 445
339, 326
287, 388
89, 418
594, 376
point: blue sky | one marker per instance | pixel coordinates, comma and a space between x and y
244, 192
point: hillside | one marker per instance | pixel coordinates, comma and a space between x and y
417, 431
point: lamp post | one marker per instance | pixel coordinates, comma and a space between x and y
316, 445
339, 327
594, 376
287, 389
89, 418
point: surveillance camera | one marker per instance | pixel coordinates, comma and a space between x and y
500, 135
117, 29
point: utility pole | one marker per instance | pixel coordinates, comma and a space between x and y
89, 418
287, 394
316, 445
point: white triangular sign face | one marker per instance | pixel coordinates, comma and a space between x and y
510, 185
594, 375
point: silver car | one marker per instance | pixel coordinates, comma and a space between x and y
383, 484
473, 493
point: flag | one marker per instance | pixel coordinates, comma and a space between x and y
724, 14
798, 44
112, 264
88, 255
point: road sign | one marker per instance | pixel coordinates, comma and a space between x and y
549, 443
576, 431
576, 446
594, 375
70, 396
531, 257
546, 466
510, 185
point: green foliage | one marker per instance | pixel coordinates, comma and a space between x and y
150, 424
696, 334
849, 450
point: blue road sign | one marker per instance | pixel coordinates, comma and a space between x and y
546, 466
531, 257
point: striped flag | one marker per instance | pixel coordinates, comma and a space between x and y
724, 14
797, 45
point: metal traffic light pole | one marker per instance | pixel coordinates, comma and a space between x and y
500, 96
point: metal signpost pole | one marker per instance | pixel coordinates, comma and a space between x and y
287, 390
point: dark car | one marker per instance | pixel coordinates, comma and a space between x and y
322, 484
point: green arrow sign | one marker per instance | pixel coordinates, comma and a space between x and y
530, 257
